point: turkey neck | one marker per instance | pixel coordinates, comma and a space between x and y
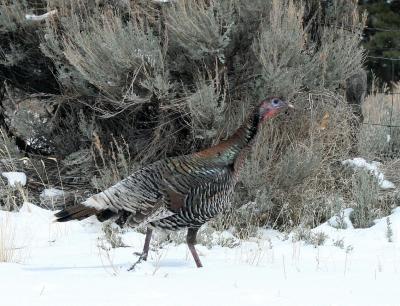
229, 150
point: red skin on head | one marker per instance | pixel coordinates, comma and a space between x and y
269, 114
267, 111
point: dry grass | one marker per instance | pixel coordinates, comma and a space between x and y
11, 197
391, 170
380, 105
381, 108
8, 250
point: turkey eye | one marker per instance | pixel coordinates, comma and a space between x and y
275, 102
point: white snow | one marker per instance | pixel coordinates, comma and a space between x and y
371, 167
61, 264
44, 16
15, 178
51, 193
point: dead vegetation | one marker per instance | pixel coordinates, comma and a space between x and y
8, 252
124, 84
381, 111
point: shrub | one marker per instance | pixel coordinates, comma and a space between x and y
369, 203
313, 238
137, 81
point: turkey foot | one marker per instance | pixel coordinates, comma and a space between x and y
145, 252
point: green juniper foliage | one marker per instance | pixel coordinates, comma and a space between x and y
382, 37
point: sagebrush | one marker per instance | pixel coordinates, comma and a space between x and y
121, 84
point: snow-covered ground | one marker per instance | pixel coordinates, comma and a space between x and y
61, 264
373, 168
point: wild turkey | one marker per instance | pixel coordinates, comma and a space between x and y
179, 192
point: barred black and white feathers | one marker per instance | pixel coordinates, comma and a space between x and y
193, 189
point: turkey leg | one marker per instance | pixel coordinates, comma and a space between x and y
145, 252
191, 241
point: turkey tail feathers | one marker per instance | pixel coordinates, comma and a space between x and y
77, 212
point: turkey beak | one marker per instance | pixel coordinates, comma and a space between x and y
290, 105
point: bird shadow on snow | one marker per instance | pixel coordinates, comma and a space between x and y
171, 263
165, 263
73, 267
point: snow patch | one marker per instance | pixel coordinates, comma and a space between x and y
372, 168
15, 178
52, 193
44, 16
